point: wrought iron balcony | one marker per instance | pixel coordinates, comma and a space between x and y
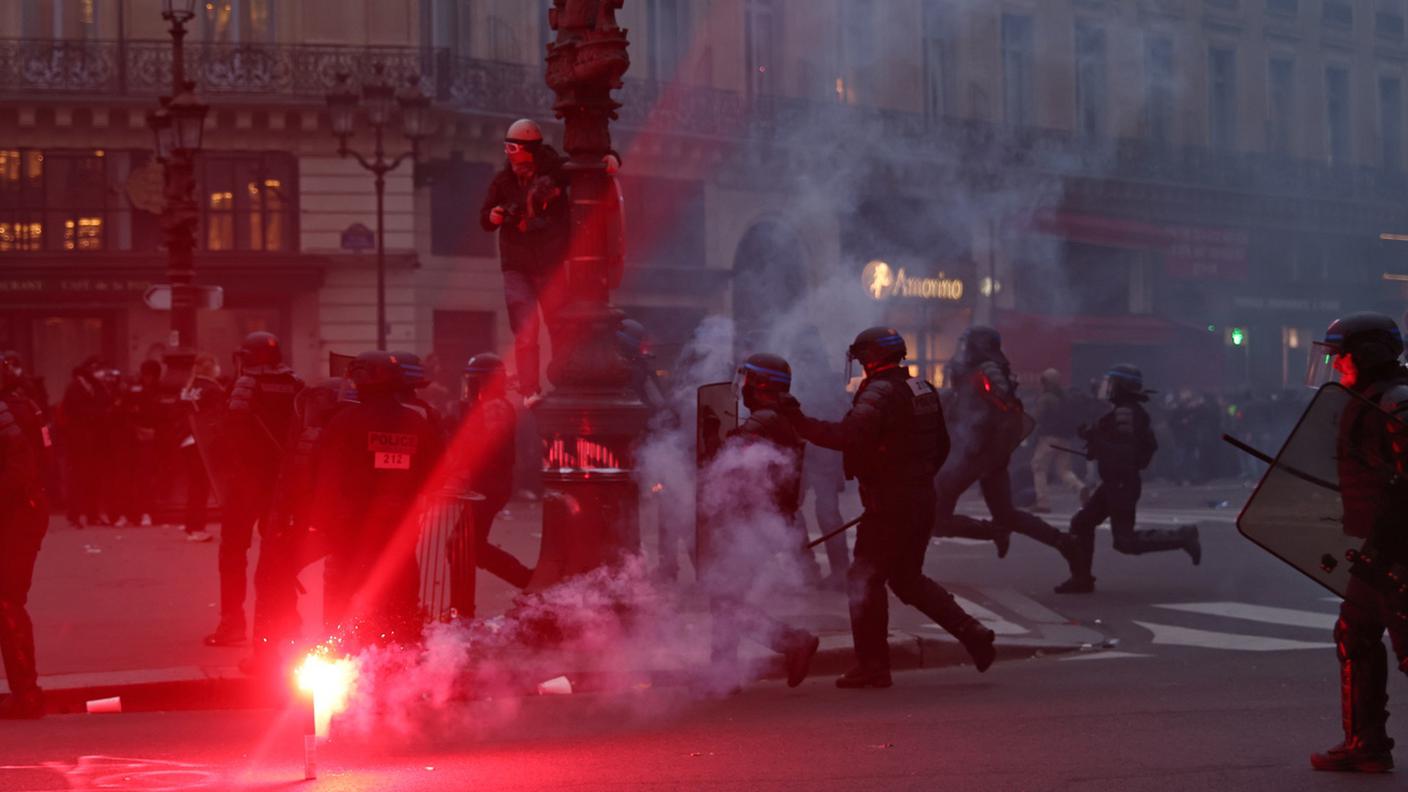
303, 74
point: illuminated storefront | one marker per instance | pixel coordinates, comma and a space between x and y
929, 306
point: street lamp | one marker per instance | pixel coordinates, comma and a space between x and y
380, 99
178, 127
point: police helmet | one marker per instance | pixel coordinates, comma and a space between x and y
1123, 381
762, 378
483, 372
260, 348
633, 340
978, 344
375, 372
1370, 339
412, 370
524, 131
315, 404
875, 346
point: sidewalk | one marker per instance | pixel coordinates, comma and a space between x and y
122, 612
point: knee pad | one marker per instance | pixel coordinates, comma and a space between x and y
1352, 643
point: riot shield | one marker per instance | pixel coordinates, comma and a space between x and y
716, 415
1296, 512
209, 429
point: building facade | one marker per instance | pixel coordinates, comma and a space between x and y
1197, 186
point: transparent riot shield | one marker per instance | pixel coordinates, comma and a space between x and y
208, 427
716, 415
1297, 512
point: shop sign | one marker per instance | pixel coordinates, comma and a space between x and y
884, 282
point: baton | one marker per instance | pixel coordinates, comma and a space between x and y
835, 533
1081, 454
1303, 476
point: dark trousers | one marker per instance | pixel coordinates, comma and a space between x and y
238, 517
22, 529
1116, 500
282, 556
996, 485
197, 489
890, 545
477, 520
84, 494
1365, 615
529, 296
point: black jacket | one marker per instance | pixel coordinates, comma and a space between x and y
768, 425
894, 433
534, 237
1122, 442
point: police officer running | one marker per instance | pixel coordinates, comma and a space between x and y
1121, 444
1364, 349
894, 441
24, 519
987, 424
259, 419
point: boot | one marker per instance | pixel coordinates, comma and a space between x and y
1077, 585
1192, 545
978, 640
858, 678
1002, 540
798, 659
1079, 552
226, 635
23, 706
1367, 747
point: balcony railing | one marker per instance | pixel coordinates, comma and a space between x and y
304, 73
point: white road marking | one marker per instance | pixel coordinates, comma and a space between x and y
1258, 613
1207, 639
1113, 655
991, 620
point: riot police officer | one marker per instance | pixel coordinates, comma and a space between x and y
290, 540
259, 419
413, 378
987, 425
24, 519
488, 426
375, 459
1121, 444
1364, 349
763, 381
894, 441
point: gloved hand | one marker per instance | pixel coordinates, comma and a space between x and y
497, 215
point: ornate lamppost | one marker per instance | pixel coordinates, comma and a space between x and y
379, 98
591, 419
178, 127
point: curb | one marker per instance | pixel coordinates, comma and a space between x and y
227, 689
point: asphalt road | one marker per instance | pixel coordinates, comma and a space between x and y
1222, 678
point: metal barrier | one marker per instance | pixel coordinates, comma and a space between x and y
446, 554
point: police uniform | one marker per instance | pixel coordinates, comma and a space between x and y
24, 519
490, 427
893, 440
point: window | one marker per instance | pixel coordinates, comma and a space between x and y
858, 48
503, 41
247, 202
667, 38
447, 25
1090, 80
60, 19
1222, 97
1280, 103
1158, 100
759, 38
1388, 19
1391, 122
239, 21
1283, 7
459, 187
61, 200
934, 52
1017, 53
1337, 13
1337, 113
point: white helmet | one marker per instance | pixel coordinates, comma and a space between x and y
524, 130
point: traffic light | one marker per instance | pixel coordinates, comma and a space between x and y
1237, 335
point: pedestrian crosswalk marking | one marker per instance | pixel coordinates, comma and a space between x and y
1112, 655
1170, 635
1258, 613
991, 620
